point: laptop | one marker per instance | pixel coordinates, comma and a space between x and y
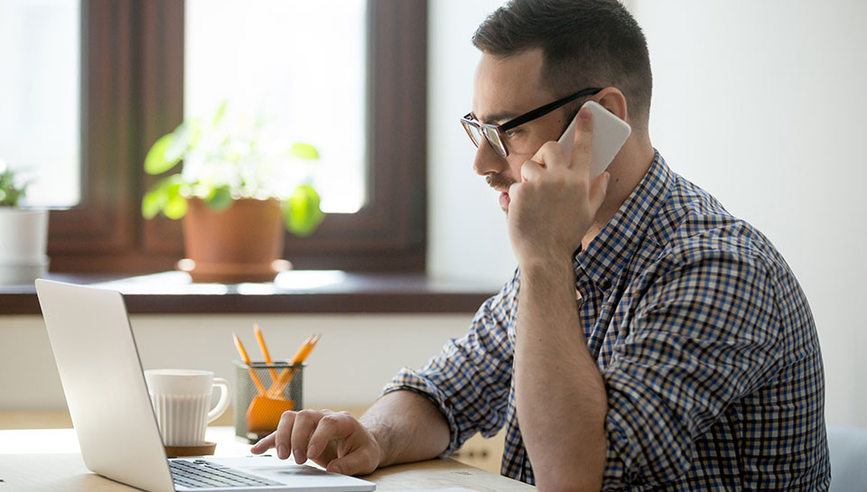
111, 412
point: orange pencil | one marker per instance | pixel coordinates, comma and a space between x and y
286, 375
253, 375
264, 348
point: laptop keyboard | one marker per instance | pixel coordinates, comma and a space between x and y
202, 473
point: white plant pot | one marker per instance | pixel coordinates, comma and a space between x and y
23, 244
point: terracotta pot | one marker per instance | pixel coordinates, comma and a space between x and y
241, 243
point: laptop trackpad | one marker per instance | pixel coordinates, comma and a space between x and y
300, 476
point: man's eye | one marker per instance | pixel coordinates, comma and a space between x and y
511, 133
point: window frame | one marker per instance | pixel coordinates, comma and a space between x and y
132, 92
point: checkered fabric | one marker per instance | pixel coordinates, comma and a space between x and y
703, 336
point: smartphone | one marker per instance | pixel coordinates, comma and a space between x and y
609, 135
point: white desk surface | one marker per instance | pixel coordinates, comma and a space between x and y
49, 460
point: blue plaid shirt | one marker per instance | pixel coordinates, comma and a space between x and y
704, 339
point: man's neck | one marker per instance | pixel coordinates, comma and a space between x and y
627, 171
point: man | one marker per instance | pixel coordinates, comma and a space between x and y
648, 340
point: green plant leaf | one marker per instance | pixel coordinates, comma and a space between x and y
176, 207
180, 143
156, 161
301, 150
221, 111
219, 198
152, 204
10, 192
301, 211
166, 196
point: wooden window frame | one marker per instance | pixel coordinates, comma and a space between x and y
132, 92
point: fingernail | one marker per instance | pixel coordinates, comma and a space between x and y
336, 469
312, 450
282, 452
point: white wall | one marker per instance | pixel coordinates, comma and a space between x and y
466, 228
356, 356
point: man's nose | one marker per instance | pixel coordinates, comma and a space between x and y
487, 161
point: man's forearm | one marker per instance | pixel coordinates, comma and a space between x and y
561, 398
408, 427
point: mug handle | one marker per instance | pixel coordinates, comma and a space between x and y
223, 402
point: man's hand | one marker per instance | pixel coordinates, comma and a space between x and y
554, 204
334, 440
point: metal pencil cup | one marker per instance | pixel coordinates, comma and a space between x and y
262, 393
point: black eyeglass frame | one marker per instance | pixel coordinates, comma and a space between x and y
469, 122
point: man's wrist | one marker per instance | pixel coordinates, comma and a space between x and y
379, 434
544, 266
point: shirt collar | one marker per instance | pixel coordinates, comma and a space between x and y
608, 253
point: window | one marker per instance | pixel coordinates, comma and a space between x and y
39, 127
297, 66
133, 92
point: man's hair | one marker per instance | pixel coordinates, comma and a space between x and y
585, 43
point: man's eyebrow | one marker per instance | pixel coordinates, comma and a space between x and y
496, 118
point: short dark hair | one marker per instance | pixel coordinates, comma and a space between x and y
585, 43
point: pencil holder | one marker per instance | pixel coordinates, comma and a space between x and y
262, 393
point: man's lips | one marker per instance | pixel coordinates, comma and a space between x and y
501, 183
504, 200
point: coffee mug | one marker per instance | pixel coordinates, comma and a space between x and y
181, 399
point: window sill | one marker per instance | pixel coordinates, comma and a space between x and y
325, 291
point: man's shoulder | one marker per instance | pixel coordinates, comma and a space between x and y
693, 226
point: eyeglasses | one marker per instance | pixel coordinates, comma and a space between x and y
494, 133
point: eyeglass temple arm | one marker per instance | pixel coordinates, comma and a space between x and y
542, 111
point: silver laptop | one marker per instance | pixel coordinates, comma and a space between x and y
111, 411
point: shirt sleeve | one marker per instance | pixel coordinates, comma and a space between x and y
470, 379
705, 333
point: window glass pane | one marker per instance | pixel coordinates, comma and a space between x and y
39, 97
300, 66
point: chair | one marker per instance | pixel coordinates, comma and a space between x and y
848, 449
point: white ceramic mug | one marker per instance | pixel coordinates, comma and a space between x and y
181, 400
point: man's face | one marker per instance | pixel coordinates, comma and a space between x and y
503, 89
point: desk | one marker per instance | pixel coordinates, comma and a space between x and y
23, 461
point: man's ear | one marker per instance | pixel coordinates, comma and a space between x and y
613, 100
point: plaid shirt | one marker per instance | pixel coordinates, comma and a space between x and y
704, 339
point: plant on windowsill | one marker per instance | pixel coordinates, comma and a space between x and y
236, 188
23, 233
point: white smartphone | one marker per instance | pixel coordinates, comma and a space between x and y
609, 135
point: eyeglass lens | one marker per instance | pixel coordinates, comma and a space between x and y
494, 139
474, 132
478, 134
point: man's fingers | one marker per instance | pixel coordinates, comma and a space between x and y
530, 171
598, 190
283, 436
334, 426
358, 463
305, 423
264, 444
582, 147
550, 155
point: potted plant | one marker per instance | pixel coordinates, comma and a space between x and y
237, 186
23, 233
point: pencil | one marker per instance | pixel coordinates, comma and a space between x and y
264, 348
287, 374
253, 375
